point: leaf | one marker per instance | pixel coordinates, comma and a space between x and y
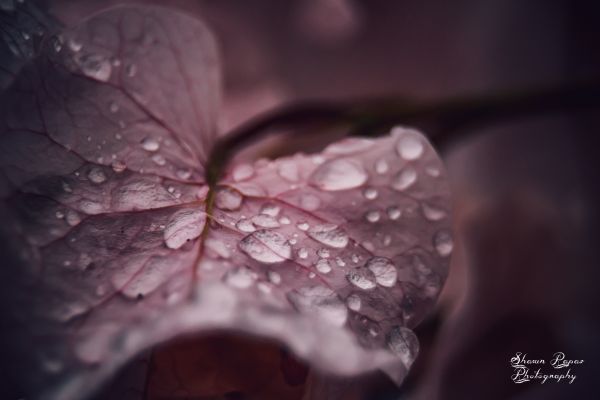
113, 242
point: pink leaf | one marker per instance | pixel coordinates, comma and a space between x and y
109, 247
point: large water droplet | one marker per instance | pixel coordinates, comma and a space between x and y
403, 342
443, 243
384, 270
228, 199
339, 174
362, 278
95, 66
330, 235
184, 225
405, 178
409, 145
321, 302
150, 144
96, 175
323, 266
266, 246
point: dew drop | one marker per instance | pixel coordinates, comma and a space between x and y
311, 275
67, 188
150, 144
184, 174
370, 193
74, 45
340, 262
323, 266
338, 174
266, 246
387, 240
90, 207
362, 278
393, 213
159, 159
321, 302
59, 214
217, 247
382, 166
228, 199
265, 221
384, 271
373, 216
242, 172
432, 171
184, 225
274, 277
432, 213
241, 278
270, 209
245, 225
72, 218
97, 176
443, 243
288, 170
309, 202
114, 107
284, 221
95, 66
323, 253
405, 178
330, 235
303, 226
349, 146
409, 145
354, 302
118, 166
403, 342
303, 253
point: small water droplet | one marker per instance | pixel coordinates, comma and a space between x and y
303, 253
270, 209
309, 202
241, 278
96, 175
403, 342
355, 258
228, 199
74, 45
184, 174
354, 302
443, 243
370, 193
320, 301
114, 107
95, 66
159, 159
330, 235
118, 166
90, 207
284, 221
288, 170
405, 178
372, 216
387, 240
66, 187
274, 277
266, 246
384, 271
433, 171
217, 247
362, 278
265, 221
150, 144
393, 213
382, 166
323, 266
245, 225
72, 218
59, 214
409, 145
323, 253
242, 172
183, 226
432, 213
303, 226
339, 174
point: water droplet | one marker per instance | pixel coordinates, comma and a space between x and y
330, 235
311, 275
90, 207
354, 302
387, 240
384, 271
57, 43
114, 107
270, 209
432, 171
59, 214
382, 166
66, 187
245, 225
340, 262
274, 277
323, 266
266, 246
372, 216
338, 174
303, 253
321, 302
443, 243
265, 221
241, 277
303, 226
228, 199
74, 45
370, 193
217, 247
405, 178
183, 226
72, 218
362, 278
403, 342
309, 202
284, 221
393, 213
118, 166
349, 146
159, 159
150, 144
288, 170
242, 172
432, 213
95, 66
323, 253
184, 174
409, 146
97, 176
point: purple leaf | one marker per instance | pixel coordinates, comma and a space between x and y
112, 242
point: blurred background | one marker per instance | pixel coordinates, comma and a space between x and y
525, 273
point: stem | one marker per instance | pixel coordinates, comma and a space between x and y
451, 118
